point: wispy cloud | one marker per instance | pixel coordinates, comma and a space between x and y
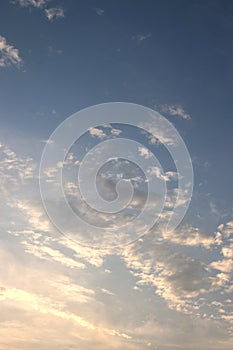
51, 13
141, 37
54, 13
33, 3
9, 55
176, 110
99, 11
49, 277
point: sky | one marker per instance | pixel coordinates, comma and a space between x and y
66, 286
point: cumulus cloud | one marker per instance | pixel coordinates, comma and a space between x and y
228, 251
9, 55
96, 132
144, 152
109, 132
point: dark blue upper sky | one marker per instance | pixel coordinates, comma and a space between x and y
148, 52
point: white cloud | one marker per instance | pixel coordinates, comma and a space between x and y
109, 132
92, 256
159, 134
44, 305
54, 13
176, 110
99, 11
144, 152
33, 3
176, 278
9, 55
15, 170
52, 284
228, 251
51, 13
141, 37
226, 229
97, 133
106, 291
189, 236
47, 253
167, 176
225, 265
115, 132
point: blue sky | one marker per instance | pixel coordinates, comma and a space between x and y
164, 291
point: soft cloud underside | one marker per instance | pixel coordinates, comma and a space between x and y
49, 280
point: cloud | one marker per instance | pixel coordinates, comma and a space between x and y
189, 236
48, 253
176, 110
32, 302
32, 3
106, 291
139, 38
56, 305
109, 132
15, 170
144, 152
53, 289
54, 13
9, 56
92, 256
99, 11
96, 132
159, 134
225, 265
226, 229
176, 278
228, 251
167, 176
51, 13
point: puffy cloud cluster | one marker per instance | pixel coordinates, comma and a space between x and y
9, 55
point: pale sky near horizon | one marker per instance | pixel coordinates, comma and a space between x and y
166, 290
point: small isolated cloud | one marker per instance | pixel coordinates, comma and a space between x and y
54, 13
168, 176
141, 37
99, 11
176, 110
53, 51
97, 133
9, 55
33, 3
